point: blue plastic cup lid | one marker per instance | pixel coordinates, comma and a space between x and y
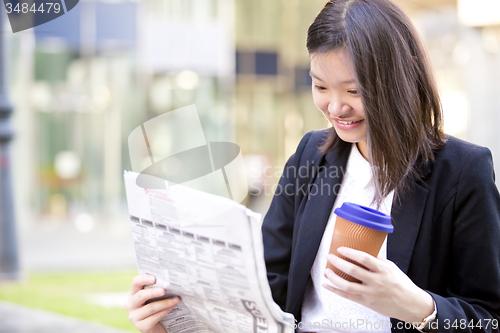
365, 216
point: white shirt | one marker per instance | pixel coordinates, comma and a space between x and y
322, 310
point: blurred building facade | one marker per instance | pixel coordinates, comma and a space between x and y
82, 82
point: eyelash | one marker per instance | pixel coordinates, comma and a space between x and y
320, 88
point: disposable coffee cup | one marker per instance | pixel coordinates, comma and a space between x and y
360, 228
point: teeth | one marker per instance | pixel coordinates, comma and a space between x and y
347, 122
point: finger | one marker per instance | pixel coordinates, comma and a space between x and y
138, 300
360, 257
153, 308
339, 292
139, 281
152, 320
349, 268
342, 284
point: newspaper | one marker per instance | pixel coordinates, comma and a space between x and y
208, 250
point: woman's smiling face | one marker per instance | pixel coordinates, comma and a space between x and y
336, 95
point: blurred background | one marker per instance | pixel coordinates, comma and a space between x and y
81, 83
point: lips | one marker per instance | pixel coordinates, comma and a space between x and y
345, 124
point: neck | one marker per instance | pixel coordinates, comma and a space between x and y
363, 149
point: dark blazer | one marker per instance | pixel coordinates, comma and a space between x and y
446, 229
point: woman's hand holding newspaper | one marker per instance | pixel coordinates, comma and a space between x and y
146, 317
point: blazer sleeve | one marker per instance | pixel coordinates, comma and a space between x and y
277, 227
473, 295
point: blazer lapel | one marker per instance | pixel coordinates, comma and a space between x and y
322, 194
406, 216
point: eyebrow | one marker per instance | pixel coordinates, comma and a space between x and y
343, 82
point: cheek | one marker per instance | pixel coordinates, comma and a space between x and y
359, 106
320, 101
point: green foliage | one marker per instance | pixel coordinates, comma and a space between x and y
68, 293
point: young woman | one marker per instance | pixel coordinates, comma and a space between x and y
440, 268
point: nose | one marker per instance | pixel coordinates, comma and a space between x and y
338, 108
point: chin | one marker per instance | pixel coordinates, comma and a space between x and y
350, 138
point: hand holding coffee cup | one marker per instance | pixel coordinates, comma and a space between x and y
360, 228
